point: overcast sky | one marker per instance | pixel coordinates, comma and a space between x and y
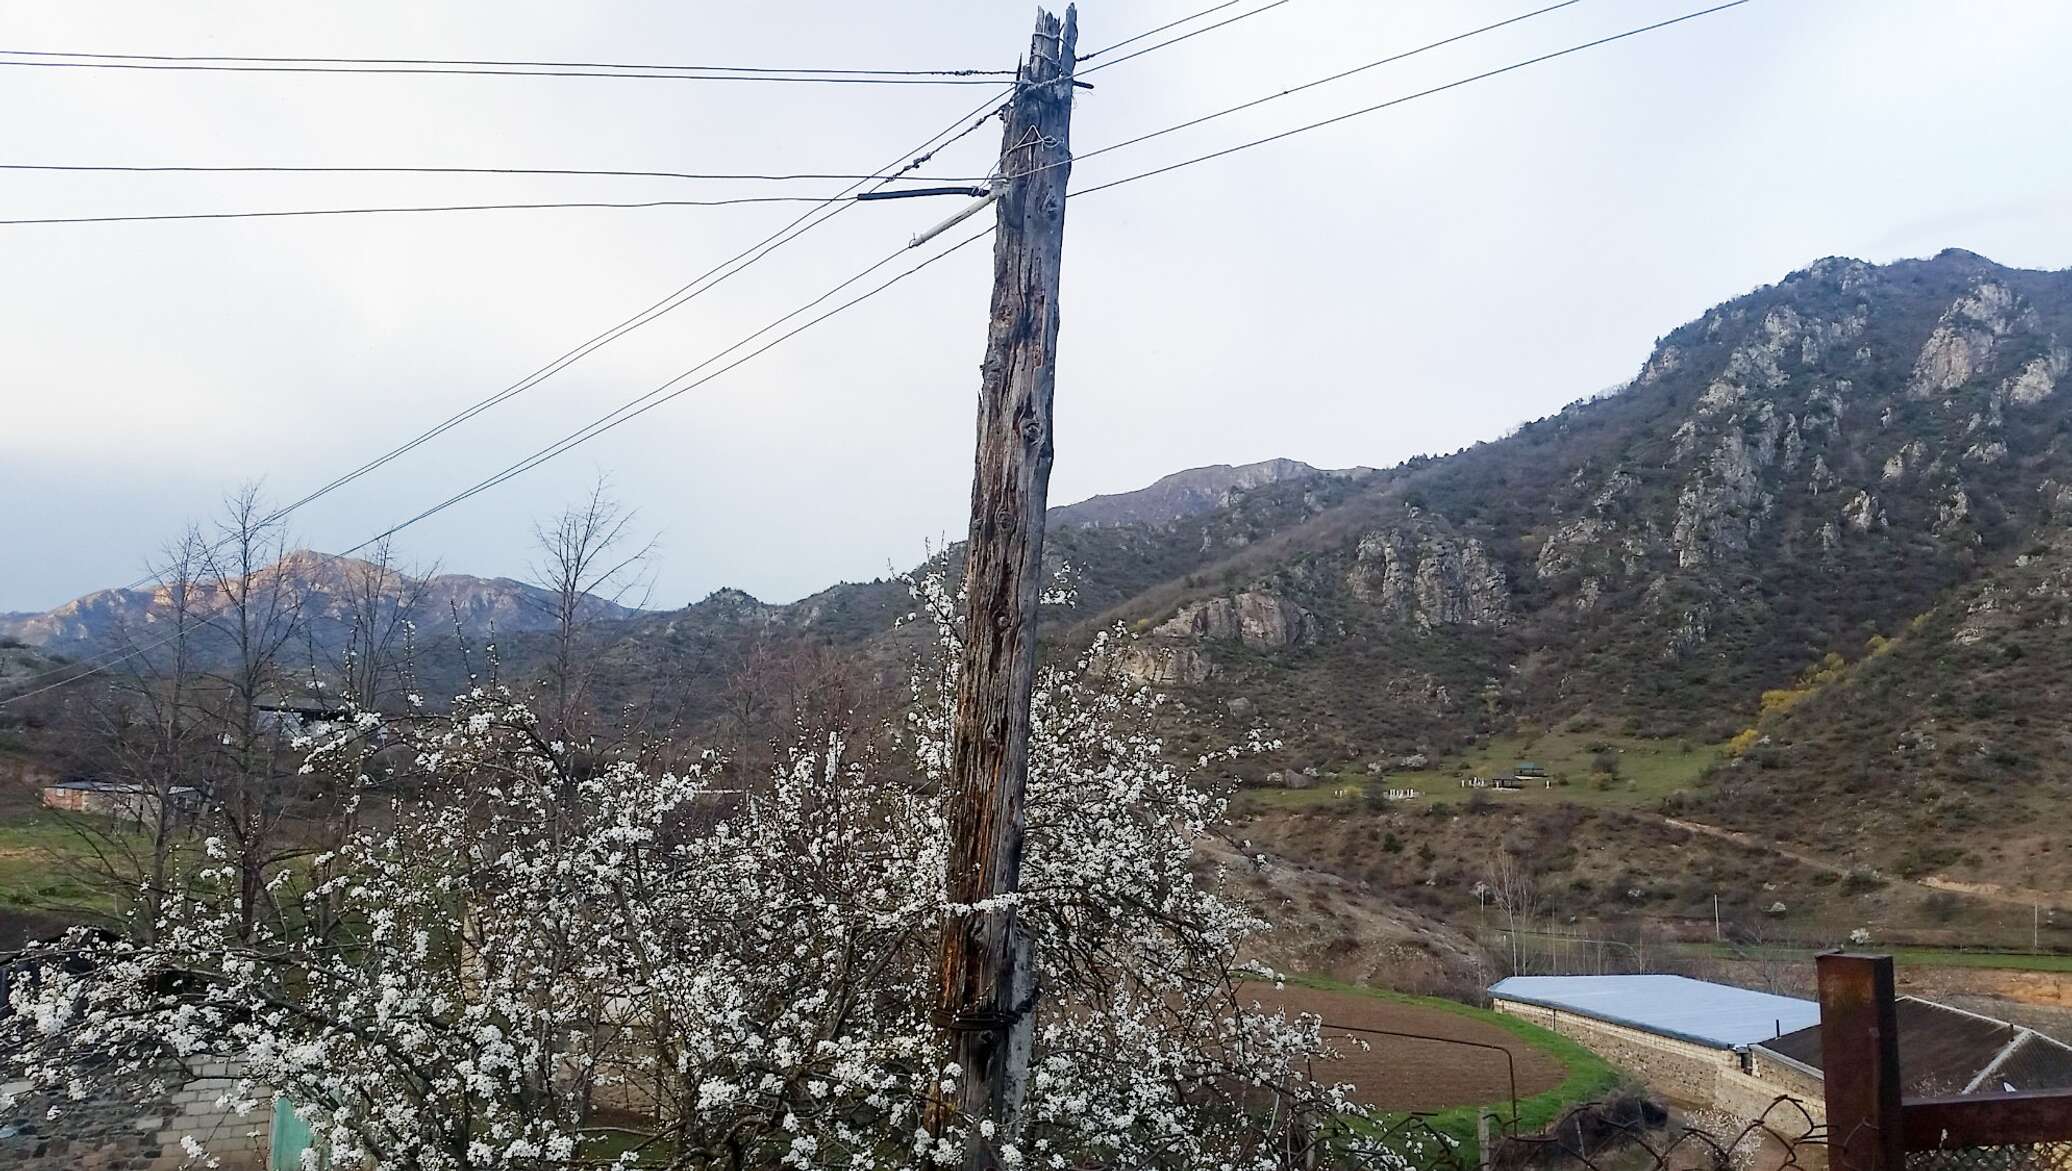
1410, 281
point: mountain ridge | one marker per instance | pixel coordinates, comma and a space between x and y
1188, 492
324, 585
1844, 464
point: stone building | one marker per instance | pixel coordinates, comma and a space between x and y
118, 801
1690, 1040
1735, 1050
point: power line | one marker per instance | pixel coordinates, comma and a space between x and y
690, 291
160, 62
696, 287
663, 394
642, 404
338, 211
900, 176
586, 68
159, 65
460, 62
1633, 32
1273, 4
922, 155
624, 414
289, 170
1152, 32
1339, 76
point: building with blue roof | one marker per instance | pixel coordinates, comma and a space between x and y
1691, 1040
1718, 1016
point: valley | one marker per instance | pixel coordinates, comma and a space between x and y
1780, 630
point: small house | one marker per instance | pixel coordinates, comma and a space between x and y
1527, 770
123, 802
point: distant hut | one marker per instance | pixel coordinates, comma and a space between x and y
121, 802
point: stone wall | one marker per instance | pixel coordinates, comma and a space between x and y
1754, 1099
202, 1110
1687, 1073
121, 1125
1680, 1070
1788, 1079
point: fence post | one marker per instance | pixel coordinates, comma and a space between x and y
1859, 1063
1485, 1139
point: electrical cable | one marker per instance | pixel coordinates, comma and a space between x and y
1424, 93
606, 423
1152, 32
502, 64
344, 211
714, 176
394, 70
1339, 76
1268, 7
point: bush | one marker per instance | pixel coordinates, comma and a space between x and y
1861, 882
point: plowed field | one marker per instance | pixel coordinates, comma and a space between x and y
1398, 1073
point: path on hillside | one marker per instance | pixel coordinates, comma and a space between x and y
2010, 895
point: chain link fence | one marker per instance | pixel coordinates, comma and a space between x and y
1623, 1133
2027, 1157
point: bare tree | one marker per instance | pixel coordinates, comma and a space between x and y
149, 739
382, 602
1764, 961
589, 560
1511, 888
779, 689
256, 615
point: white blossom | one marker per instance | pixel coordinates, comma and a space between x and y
518, 938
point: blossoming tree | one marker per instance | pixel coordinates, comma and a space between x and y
534, 961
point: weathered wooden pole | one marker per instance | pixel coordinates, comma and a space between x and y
988, 991
1859, 1063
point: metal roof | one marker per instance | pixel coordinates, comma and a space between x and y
1699, 1011
1947, 1050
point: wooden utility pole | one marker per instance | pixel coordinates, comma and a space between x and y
1859, 1055
988, 992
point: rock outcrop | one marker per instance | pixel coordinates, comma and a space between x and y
1162, 664
1430, 579
1256, 618
1966, 339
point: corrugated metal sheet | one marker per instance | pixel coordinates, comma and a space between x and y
1698, 1011
2038, 1063
1945, 1050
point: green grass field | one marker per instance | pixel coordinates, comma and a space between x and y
1648, 770
42, 861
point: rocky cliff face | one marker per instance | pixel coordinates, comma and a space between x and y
1419, 575
1258, 620
1804, 466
